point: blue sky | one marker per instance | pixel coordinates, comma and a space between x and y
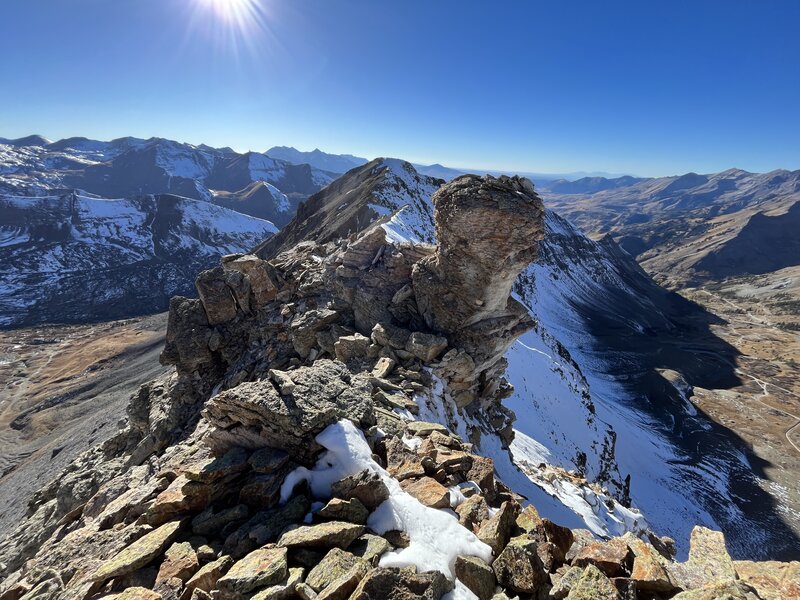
650, 88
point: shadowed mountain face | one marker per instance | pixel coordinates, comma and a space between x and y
766, 243
76, 258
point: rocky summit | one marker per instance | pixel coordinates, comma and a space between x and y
291, 453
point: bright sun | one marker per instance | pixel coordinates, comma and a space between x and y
235, 11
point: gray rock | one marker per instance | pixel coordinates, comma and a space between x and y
367, 486
476, 575
352, 511
255, 414
263, 567
336, 563
425, 346
325, 535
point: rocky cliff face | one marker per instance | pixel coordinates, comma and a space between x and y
284, 458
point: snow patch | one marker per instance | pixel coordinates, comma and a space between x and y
348, 453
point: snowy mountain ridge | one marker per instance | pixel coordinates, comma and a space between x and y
64, 257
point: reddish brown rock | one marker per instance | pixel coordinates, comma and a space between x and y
613, 558
428, 491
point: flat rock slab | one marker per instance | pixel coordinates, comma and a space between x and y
140, 553
338, 534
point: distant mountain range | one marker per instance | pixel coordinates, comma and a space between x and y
127, 167
692, 228
336, 163
74, 258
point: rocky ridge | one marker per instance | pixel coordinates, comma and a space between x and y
239, 475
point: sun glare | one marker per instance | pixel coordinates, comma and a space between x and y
233, 26
234, 11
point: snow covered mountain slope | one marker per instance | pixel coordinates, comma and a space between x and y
357, 199
602, 384
76, 257
259, 199
129, 166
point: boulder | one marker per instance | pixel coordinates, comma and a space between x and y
352, 511
343, 586
401, 462
497, 530
205, 579
613, 557
366, 486
213, 469
476, 575
210, 522
188, 335
482, 473
592, 585
260, 568
262, 491
325, 535
182, 495
563, 581
180, 560
370, 547
472, 512
428, 491
349, 347
385, 334
648, 573
383, 367
518, 566
256, 415
401, 584
267, 461
336, 563
265, 526
423, 429
284, 590
425, 346
283, 380
304, 328
708, 562
722, 590
263, 282
772, 580
217, 297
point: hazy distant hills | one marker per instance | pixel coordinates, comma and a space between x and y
337, 163
694, 227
